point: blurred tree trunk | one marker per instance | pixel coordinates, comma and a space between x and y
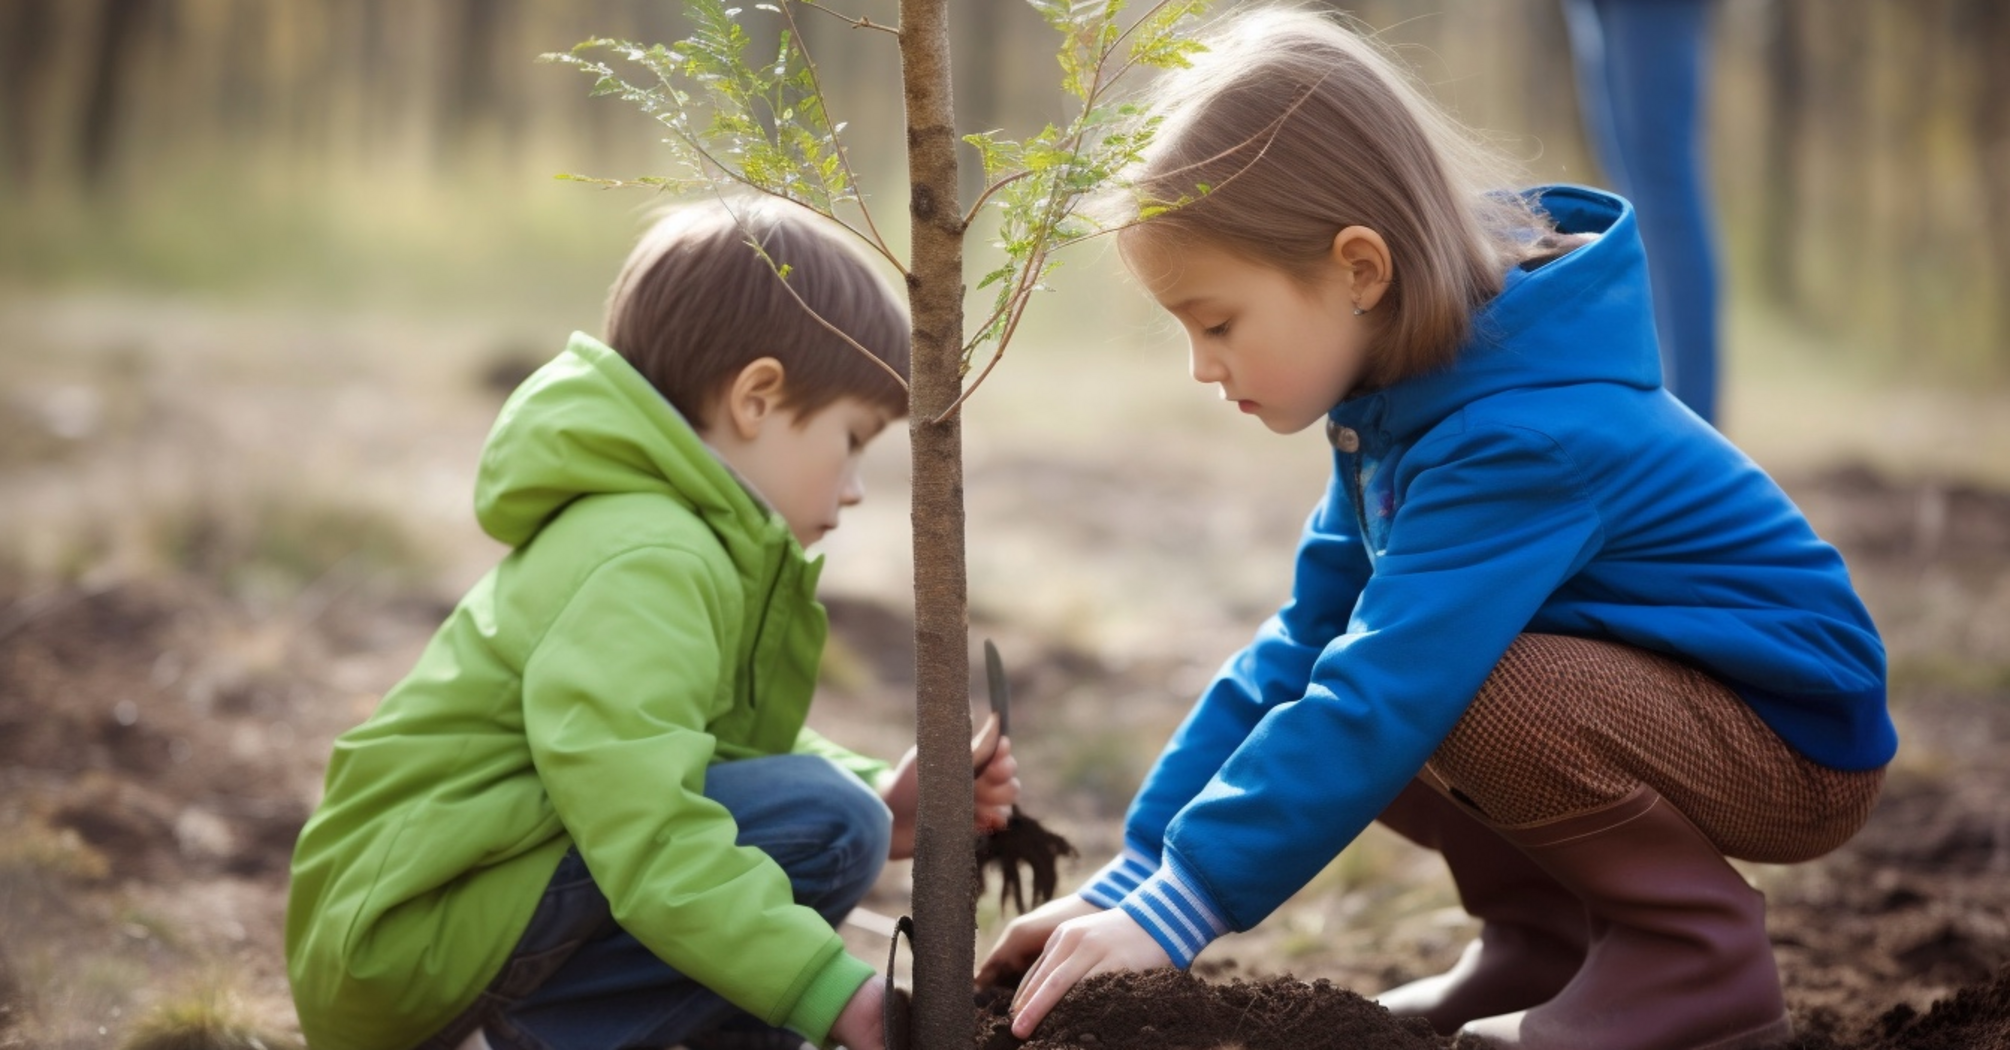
474, 90
27, 41
1785, 132
945, 856
1988, 31
119, 33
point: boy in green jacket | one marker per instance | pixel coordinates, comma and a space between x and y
592, 816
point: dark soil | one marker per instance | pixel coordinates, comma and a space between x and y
1168, 1010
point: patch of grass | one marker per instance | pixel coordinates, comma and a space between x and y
517, 241
259, 539
208, 1019
34, 849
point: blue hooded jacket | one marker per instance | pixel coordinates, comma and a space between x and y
1544, 482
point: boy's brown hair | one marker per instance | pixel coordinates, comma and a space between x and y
695, 303
1297, 126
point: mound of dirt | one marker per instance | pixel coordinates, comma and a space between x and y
1168, 1010
1975, 1018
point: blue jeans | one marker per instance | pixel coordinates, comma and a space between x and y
1640, 77
578, 981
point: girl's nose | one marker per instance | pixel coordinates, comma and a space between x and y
1205, 368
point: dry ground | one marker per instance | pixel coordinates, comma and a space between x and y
223, 534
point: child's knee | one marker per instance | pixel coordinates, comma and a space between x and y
836, 835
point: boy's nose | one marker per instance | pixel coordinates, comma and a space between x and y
853, 492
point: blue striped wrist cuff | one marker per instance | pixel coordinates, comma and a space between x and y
1173, 910
1118, 879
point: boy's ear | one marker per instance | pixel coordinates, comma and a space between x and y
1363, 257
752, 398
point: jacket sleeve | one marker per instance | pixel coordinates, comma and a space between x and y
1273, 668
811, 742
615, 696
1491, 523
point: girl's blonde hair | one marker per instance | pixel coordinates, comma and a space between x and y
1293, 126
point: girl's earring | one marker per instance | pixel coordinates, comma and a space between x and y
1358, 311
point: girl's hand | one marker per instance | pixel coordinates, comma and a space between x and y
1106, 942
1026, 937
860, 1024
997, 788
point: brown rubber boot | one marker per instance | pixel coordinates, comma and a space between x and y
1679, 958
1534, 931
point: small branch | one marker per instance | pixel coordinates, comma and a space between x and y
844, 158
1140, 20
839, 332
855, 23
971, 215
997, 355
729, 173
793, 294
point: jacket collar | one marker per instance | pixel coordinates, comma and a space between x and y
587, 423
1583, 318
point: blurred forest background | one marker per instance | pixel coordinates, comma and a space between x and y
1861, 147
268, 267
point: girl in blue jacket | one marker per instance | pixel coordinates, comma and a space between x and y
1545, 619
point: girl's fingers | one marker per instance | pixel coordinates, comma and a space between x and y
1047, 990
1037, 973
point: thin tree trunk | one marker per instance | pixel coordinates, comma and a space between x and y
944, 857
1989, 32
1786, 131
120, 29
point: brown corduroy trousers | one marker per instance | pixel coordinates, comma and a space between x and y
1566, 725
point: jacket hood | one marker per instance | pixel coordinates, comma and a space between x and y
1583, 318
588, 424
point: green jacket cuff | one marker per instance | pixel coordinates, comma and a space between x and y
826, 996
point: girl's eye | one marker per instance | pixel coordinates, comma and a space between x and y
1217, 331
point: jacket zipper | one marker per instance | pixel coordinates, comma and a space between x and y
1360, 502
760, 631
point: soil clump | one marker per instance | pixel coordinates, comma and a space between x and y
1168, 1010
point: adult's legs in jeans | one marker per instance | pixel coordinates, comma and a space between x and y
825, 828
1640, 74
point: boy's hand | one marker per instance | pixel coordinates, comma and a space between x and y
859, 1024
1026, 937
1105, 942
997, 788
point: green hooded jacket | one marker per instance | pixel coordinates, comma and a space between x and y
652, 618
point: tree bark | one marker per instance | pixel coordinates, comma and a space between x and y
944, 901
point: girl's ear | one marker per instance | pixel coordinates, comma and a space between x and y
751, 399
1362, 256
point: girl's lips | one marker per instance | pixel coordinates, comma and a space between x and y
1247, 406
